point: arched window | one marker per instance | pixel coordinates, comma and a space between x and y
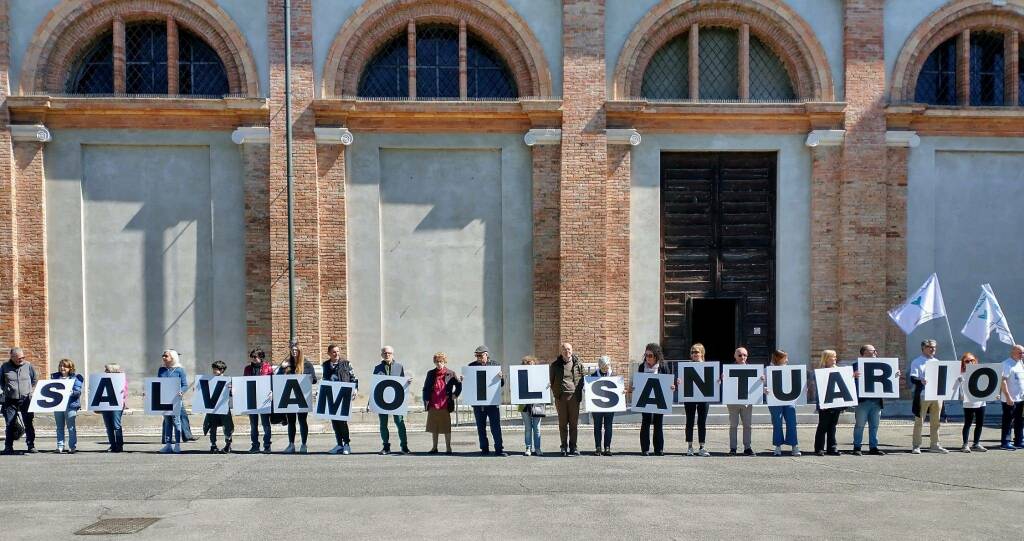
438, 64
667, 76
94, 72
939, 82
200, 69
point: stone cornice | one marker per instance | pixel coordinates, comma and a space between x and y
179, 113
30, 132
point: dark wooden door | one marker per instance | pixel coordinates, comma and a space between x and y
718, 242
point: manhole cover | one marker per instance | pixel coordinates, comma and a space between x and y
112, 526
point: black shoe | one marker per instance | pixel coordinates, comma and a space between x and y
659, 453
485, 452
432, 452
385, 451
607, 452
405, 450
834, 453
565, 451
214, 449
266, 449
7, 451
254, 449
876, 451
748, 451
31, 449
598, 452
856, 452
732, 452
448, 452
645, 453
820, 453
227, 448
538, 452
500, 453
574, 452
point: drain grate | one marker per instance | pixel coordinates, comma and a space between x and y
114, 526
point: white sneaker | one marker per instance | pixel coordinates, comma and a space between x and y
166, 448
177, 448
527, 452
60, 448
689, 451
936, 448
915, 451
302, 449
289, 449
346, 450
965, 449
337, 449
777, 451
703, 452
796, 451
979, 448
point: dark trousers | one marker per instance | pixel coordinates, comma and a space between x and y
303, 427
484, 415
698, 410
115, 436
568, 409
11, 409
217, 420
1012, 416
646, 420
340, 431
977, 417
826, 431
602, 424
255, 420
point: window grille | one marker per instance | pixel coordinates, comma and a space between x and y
769, 80
987, 68
936, 84
719, 63
667, 75
200, 70
387, 75
487, 76
437, 62
145, 52
94, 72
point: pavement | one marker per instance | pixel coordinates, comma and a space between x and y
197, 495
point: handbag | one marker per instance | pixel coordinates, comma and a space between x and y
538, 410
17, 426
278, 419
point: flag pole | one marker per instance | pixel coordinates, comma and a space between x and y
951, 341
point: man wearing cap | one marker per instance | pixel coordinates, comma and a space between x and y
566, 380
921, 406
485, 414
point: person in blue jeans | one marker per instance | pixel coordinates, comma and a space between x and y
868, 412
172, 423
484, 415
66, 370
783, 415
603, 419
112, 419
531, 423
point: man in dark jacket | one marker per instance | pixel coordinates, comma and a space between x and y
484, 415
390, 367
19, 380
566, 374
337, 368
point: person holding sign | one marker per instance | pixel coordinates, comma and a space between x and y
782, 414
868, 411
19, 380
172, 423
484, 415
922, 407
390, 367
258, 366
825, 433
214, 420
974, 412
696, 411
112, 419
740, 411
296, 364
654, 363
1013, 399
566, 377
338, 369
532, 415
440, 389
602, 419
66, 370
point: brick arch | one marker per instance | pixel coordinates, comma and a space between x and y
494, 22
941, 25
784, 32
74, 24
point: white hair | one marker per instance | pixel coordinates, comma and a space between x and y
604, 360
175, 358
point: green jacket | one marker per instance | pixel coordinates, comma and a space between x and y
556, 370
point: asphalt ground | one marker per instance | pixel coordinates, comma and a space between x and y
197, 495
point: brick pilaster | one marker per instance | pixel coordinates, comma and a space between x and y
546, 171
305, 211
333, 248
895, 244
826, 167
30, 217
256, 161
8, 229
583, 182
617, 264
172, 56
862, 213
120, 72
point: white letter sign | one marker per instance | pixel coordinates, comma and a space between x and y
52, 395
162, 396
605, 394
878, 378
652, 393
530, 384
211, 395
481, 385
787, 385
941, 378
699, 381
106, 391
982, 382
334, 401
293, 393
251, 395
389, 395
835, 387
742, 384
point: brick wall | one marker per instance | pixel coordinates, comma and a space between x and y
8, 231
617, 264
546, 171
583, 182
895, 245
33, 318
333, 261
256, 160
826, 170
306, 235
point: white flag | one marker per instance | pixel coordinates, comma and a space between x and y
923, 306
986, 317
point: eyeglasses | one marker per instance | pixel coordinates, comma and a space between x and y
742, 355
649, 355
